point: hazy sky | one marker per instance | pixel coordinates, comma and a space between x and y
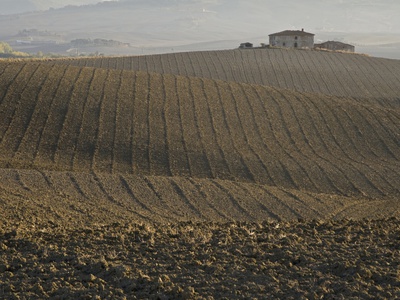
324, 15
154, 23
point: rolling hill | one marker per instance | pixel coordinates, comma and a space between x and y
184, 175
339, 74
177, 134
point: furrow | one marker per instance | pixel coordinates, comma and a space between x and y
238, 165
212, 151
68, 136
146, 212
55, 121
124, 123
159, 148
89, 130
18, 109
27, 150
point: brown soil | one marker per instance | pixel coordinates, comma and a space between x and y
299, 260
122, 184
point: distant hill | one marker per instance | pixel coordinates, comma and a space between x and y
16, 6
24, 6
151, 26
373, 80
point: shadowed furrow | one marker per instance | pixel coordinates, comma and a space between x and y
65, 197
162, 125
339, 74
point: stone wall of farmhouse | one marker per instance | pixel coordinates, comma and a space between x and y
292, 41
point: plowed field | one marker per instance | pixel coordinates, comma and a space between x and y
200, 175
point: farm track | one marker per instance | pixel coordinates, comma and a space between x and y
205, 175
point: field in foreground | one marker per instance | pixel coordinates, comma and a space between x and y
235, 260
200, 176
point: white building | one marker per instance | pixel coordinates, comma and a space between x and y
292, 39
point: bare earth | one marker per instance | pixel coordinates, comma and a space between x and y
208, 175
235, 260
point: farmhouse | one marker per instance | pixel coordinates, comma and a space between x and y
292, 39
246, 45
335, 46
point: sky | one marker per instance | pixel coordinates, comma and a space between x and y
322, 15
169, 23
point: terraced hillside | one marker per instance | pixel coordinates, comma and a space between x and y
183, 184
369, 79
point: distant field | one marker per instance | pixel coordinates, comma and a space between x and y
227, 142
340, 74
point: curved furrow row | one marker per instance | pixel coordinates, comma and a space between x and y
298, 75
88, 135
171, 199
212, 149
281, 141
202, 64
163, 198
185, 137
234, 132
197, 163
198, 64
158, 131
235, 158
338, 161
340, 158
47, 148
37, 115
10, 73
242, 65
385, 82
310, 71
245, 114
313, 133
141, 129
278, 158
308, 170
211, 61
317, 169
17, 83
256, 124
115, 190
305, 73
71, 126
178, 153
124, 125
238, 116
108, 126
148, 123
17, 112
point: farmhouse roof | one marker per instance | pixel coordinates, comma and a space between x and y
291, 32
335, 42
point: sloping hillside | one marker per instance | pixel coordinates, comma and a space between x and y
216, 175
84, 119
374, 80
218, 150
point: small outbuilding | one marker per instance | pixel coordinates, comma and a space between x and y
246, 45
335, 46
292, 39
